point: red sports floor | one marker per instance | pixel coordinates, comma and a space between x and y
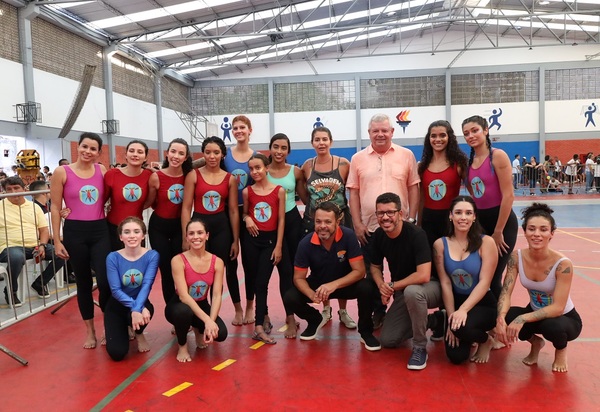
331, 373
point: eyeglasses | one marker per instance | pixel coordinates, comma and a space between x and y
389, 213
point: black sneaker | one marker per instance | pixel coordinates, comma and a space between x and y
437, 323
378, 318
15, 300
311, 330
70, 278
42, 291
371, 342
418, 359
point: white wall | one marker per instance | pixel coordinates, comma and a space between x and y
420, 118
56, 95
298, 126
260, 127
569, 116
516, 118
12, 91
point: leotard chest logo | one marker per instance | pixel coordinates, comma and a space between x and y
132, 192
211, 200
241, 177
88, 195
262, 211
198, 289
132, 278
175, 193
478, 187
437, 189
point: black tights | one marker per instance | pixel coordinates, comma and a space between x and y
481, 318
116, 320
165, 238
182, 317
261, 267
88, 245
557, 330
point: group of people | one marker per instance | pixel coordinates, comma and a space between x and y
551, 175
237, 201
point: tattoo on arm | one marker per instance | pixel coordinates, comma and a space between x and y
539, 314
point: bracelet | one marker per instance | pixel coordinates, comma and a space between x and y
391, 284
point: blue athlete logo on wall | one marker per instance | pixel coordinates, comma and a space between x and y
132, 192
437, 189
494, 118
88, 195
132, 278
211, 200
241, 177
478, 187
461, 279
262, 211
589, 114
226, 127
318, 123
198, 289
175, 193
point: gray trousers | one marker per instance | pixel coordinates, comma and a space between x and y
407, 316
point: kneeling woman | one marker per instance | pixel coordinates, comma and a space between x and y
547, 276
195, 272
131, 272
465, 261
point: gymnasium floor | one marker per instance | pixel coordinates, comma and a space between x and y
331, 373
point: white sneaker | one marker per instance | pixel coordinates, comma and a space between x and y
326, 313
346, 319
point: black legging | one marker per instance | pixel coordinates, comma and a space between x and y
219, 243
234, 288
488, 218
481, 318
182, 317
261, 248
116, 320
557, 330
435, 224
294, 231
165, 238
88, 245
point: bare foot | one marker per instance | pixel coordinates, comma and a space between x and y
200, 344
249, 316
103, 340
183, 355
292, 328
238, 319
482, 354
90, 332
537, 344
90, 342
560, 361
143, 345
496, 344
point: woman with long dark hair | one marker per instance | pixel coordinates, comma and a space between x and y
465, 261
166, 197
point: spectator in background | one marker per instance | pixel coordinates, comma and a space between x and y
589, 172
558, 169
516, 170
571, 172
596, 174
63, 162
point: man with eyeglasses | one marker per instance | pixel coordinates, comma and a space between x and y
381, 167
337, 271
406, 249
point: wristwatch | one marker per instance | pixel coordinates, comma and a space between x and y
412, 220
391, 284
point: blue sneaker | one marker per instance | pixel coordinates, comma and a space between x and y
418, 359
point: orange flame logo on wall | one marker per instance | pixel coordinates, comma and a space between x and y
402, 119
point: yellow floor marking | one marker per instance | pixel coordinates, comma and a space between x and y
257, 345
177, 389
580, 237
223, 365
